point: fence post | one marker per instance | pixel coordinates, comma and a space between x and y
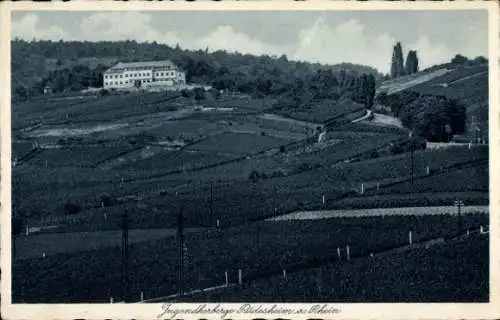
111, 300
481, 230
338, 253
410, 237
428, 170
348, 253
218, 223
142, 296
27, 231
227, 279
468, 232
323, 199
284, 274
362, 188
240, 278
378, 186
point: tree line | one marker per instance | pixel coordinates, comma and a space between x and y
294, 82
435, 118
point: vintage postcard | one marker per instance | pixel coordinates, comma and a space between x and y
249, 160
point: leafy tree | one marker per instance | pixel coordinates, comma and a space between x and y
459, 60
480, 60
199, 93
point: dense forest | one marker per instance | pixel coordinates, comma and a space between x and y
67, 66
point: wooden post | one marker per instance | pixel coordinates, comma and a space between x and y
218, 223
378, 186
142, 296
27, 231
240, 277
468, 232
338, 253
428, 170
324, 200
362, 188
111, 300
481, 230
227, 279
284, 274
410, 237
348, 251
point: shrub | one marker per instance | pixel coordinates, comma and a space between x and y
106, 200
17, 226
396, 149
282, 149
187, 93
254, 176
374, 154
71, 208
199, 94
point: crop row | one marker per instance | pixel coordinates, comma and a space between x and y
452, 272
324, 110
259, 249
467, 178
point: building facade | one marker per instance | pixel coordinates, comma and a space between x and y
126, 75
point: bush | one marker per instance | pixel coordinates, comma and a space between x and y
71, 208
374, 154
199, 94
17, 226
254, 176
396, 149
106, 200
282, 149
187, 93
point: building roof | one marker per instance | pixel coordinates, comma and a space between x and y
142, 64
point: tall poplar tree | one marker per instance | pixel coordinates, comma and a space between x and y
397, 63
411, 62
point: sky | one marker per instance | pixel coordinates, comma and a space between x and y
330, 37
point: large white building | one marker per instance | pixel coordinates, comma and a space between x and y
143, 74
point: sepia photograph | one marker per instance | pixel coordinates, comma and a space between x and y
248, 156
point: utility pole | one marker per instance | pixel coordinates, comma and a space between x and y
459, 203
180, 240
125, 277
412, 150
307, 136
211, 201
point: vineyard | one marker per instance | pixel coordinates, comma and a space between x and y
228, 171
260, 250
426, 272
